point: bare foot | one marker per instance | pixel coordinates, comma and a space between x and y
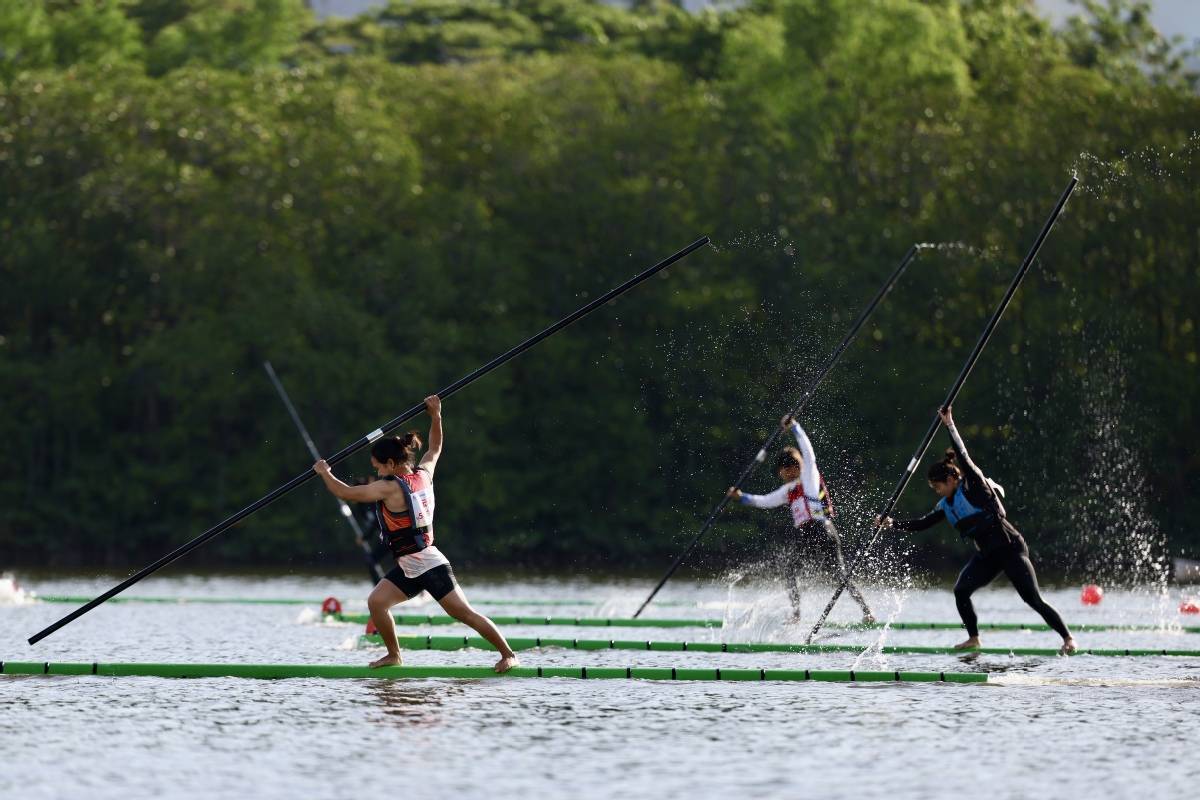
868, 618
506, 663
387, 661
970, 644
1069, 647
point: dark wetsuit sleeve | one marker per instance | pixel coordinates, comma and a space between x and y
921, 523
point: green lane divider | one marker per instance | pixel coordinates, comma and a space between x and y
53, 598
281, 671
603, 622
409, 642
1008, 626
586, 622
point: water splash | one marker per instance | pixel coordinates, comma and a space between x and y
11, 593
983, 253
1117, 541
1100, 176
308, 616
874, 651
756, 240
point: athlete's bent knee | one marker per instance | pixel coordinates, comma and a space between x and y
378, 602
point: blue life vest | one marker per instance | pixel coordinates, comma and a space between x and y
959, 508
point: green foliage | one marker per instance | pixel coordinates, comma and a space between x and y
379, 205
451, 32
230, 34
34, 35
26, 37
92, 32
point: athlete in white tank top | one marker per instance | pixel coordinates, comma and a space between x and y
424, 569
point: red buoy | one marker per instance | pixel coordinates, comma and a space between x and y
371, 629
1190, 605
1091, 595
331, 606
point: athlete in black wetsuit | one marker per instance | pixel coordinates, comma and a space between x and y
969, 502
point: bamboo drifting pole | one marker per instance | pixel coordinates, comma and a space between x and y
347, 513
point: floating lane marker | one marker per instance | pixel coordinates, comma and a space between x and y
282, 671
585, 622
462, 642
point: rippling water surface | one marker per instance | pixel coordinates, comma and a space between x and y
1083, 727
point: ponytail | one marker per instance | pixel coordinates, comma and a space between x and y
941, 471
401, 449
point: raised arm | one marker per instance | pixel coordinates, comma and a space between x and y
433, 405
810, 478
960, 449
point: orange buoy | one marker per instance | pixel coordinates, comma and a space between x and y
1190, 605
1091, 595
331, 606
371, 629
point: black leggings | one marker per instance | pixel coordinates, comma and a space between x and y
818, 542
1014, 562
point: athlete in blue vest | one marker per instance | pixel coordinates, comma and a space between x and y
970, 503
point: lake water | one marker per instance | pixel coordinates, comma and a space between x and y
1085, 726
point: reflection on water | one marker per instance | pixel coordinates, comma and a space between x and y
405, 704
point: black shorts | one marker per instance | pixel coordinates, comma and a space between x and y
438, 581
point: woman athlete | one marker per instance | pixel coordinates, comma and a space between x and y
804, 492
404, 508
970, 504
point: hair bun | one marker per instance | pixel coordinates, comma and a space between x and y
411, 441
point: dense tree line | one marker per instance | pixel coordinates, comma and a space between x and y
378, 205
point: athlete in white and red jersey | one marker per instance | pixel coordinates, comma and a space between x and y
404, 506
805, 494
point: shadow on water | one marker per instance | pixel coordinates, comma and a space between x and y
980, 662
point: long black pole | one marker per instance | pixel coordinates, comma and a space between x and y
378, 433
808, 393
343, 506
915, 461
